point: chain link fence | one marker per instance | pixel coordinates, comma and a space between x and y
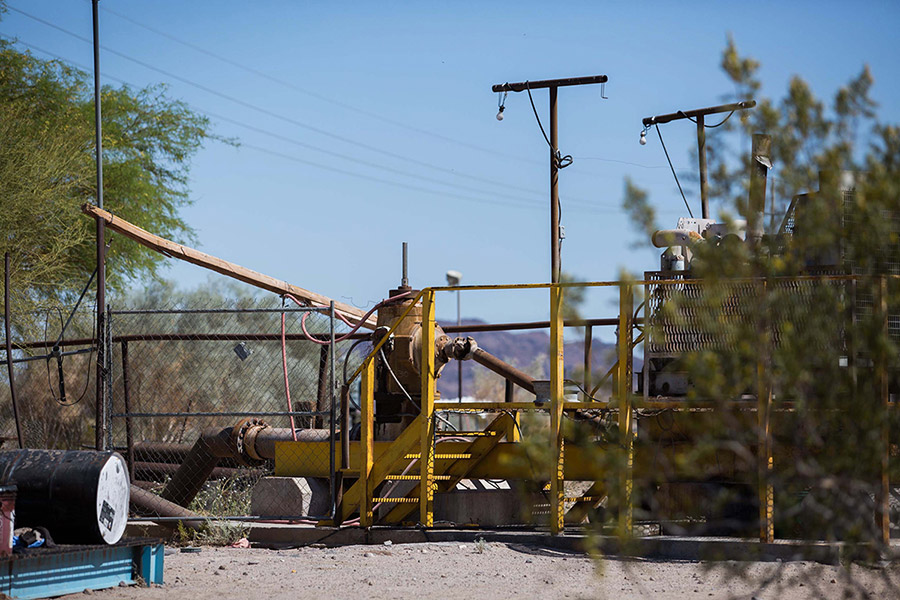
55, 386
199, 399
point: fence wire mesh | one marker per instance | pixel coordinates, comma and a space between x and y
54, 412
198, 401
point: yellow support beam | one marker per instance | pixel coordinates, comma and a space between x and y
426, 466
624, 399
765, 460
557, 374
506, 461
367, 436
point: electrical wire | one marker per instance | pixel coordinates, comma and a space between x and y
720, 123
261, 109
578, 204
387, 364
674, 174
312, 94
560, 161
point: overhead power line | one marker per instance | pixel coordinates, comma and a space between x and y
273, 114
522, 203
312, 94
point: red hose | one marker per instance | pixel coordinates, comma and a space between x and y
344, 318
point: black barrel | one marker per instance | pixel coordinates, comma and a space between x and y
81, 497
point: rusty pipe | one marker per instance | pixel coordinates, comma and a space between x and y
150, 504
504, 369
250, 442
197, 467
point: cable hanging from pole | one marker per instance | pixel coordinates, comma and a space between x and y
559, 160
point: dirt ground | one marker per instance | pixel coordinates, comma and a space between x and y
482, 571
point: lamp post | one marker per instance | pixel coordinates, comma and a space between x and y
453, 279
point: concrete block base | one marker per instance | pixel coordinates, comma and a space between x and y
290, 497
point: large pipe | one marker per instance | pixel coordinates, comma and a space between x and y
151, 505
520, 378
250, 442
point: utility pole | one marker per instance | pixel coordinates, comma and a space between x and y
553, 85
100, 425
698, 116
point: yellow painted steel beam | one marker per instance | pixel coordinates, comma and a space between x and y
557, 375
367, 437
493, 406
506, 460
426, 466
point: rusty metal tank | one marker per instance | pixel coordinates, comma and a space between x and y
398, 383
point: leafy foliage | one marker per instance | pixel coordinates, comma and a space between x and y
47, 170
818, 347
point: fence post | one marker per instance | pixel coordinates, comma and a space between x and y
588, 360
126, 397
367, 435
557, 401
765, 460
426, 460
623, 394
882, 406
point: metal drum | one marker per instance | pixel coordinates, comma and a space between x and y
81, 497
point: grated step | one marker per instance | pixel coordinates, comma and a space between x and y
396, 500
415, 477
418, 455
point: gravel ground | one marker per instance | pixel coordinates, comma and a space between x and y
484, 571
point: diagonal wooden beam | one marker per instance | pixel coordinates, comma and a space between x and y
223, 267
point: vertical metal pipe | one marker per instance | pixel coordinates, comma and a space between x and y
557, 373
9, 363
332, 413
758, 184
512, 432
459, 363
126, 396
322, 394
100, 415
554, 190
701, 156
404, 279
108, 371
588, 358
345, 453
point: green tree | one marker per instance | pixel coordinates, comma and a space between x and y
823, 343
47, 171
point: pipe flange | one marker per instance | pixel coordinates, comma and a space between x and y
239, 437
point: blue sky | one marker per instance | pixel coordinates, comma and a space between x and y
384, 128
